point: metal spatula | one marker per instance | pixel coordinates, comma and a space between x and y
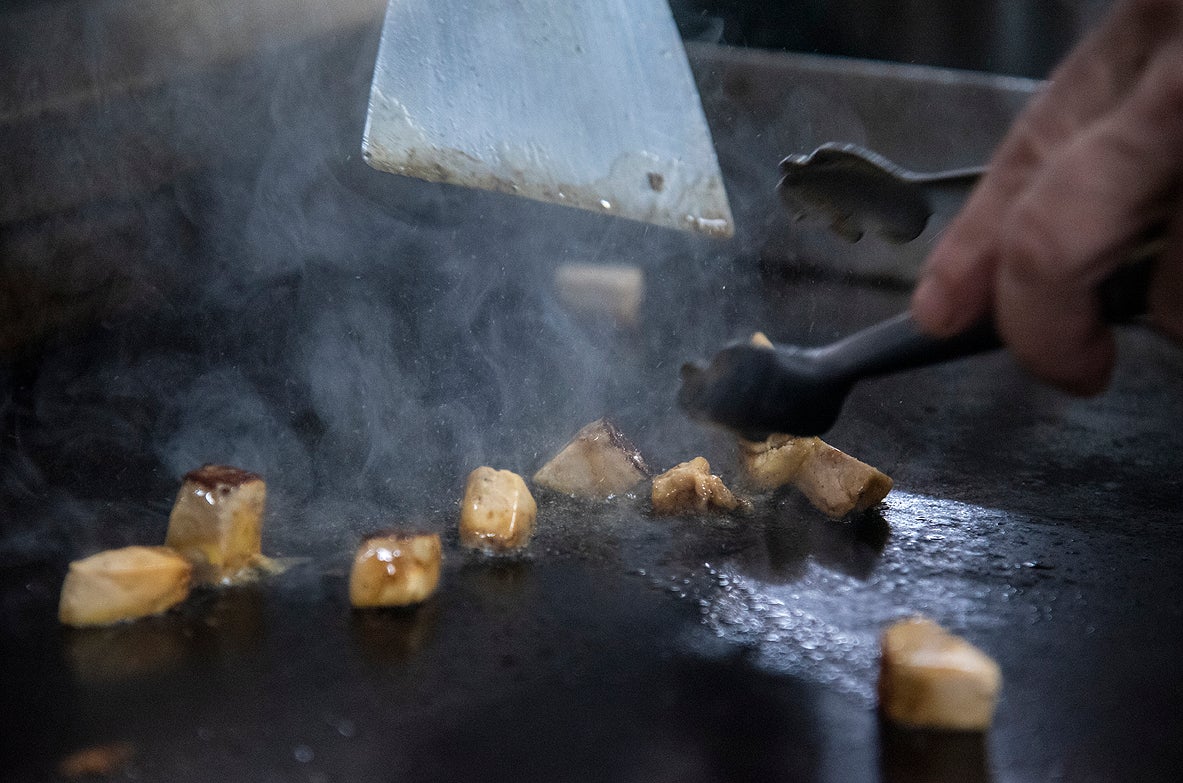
588, 103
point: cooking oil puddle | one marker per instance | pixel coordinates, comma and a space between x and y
942, 559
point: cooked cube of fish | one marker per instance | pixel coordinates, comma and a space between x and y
691, 488
776, 461
613, 290
929, 678
498, 511
217, 522
833, 481
597, 463
122, 584
837, 483
395, 569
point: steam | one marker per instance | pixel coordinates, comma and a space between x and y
361, 340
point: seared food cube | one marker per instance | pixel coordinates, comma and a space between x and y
690, 488
598, 462
776, 461
122, 584
217, 522
395, 569
613, 290
833, 481
837, 483
498, 511
929, 678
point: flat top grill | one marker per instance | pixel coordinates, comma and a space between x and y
364, 341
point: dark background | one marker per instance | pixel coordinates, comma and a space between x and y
1016, 37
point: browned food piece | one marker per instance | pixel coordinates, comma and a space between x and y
776, 461
929, 678
613, 290
837, 483
498, 511
97, 761
395, 569
833, 481
122, 584
217, 522
690, 488
598, 462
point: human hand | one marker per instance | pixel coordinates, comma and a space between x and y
1093, 162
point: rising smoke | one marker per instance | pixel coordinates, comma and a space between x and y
361, 340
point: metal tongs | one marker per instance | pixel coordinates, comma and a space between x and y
757, 391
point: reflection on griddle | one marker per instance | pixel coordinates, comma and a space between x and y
871, 529
124, 652
498, 580
797, 533
233, 621
105, 761
395, 635
215, 623
854, 547
788, 547
918, 756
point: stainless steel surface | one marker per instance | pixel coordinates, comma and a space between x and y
585, 103
921, 118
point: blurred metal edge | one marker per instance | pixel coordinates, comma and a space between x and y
589, 104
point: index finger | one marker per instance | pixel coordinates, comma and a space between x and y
957, 287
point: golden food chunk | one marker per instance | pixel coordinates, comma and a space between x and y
395, 569
929, 678
833, 481
597, 463
690, 488
122, 584
774, 462
217, 522
498, 511
613, 290
837, 483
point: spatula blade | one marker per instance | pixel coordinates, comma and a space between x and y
588, 103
